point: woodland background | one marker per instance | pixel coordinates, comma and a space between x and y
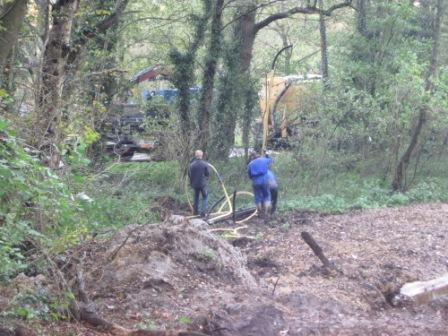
373, 133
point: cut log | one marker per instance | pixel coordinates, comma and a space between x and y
423, 291
316, 249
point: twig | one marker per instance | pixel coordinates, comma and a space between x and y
275, 285
114, 253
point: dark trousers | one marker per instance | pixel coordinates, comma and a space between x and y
274, 195
203, 192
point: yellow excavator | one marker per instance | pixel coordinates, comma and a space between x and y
282, 102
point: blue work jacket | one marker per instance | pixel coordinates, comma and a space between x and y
257, 170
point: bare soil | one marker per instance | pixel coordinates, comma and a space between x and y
179, 275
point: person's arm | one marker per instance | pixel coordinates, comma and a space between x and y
206, 171
248, 171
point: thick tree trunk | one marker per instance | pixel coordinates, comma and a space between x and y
249, 95
234, 83
53, 71
398, 184
58, 56
11, 19
183, 78
209, 76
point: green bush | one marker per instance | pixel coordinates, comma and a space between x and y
36, 207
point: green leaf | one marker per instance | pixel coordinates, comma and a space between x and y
2, 122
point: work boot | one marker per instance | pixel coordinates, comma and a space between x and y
260, 211
267, 211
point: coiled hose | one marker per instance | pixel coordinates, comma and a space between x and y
221, 213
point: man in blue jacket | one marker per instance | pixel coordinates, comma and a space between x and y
198, 174
257, 170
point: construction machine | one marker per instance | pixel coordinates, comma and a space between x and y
282, 101
126, 133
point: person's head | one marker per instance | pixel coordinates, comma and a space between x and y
198, 154
253, 155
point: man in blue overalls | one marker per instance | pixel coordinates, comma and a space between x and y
257, 170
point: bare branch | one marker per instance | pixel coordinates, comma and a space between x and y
311, 9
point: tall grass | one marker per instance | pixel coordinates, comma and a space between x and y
132, 192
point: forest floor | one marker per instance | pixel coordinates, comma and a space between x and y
179, 275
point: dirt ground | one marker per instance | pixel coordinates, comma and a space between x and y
179, 275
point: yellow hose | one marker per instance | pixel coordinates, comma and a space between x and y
220, 213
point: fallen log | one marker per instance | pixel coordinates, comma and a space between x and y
420, 292
316, 249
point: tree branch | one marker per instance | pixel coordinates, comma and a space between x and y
311, 9
113, 18
100, 27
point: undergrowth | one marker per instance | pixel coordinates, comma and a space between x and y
129, 192
37, 209
52, 212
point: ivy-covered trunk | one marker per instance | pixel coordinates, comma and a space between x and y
235, 85
61, 57
53, 72
209, 73
183, 79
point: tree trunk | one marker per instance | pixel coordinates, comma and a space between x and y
58, 57
44, 13
53, 71
183, 79
398, 184
250, 103
11, 19
234, 83
323, 47
209, 76
249, 94
361, 25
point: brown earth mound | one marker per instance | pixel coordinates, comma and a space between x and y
178, 275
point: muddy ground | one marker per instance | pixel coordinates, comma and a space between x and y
178, 274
